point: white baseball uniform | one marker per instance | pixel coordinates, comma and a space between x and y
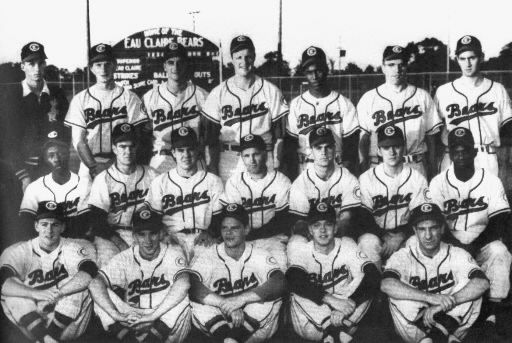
412, 110
339, 273
446, 273
227, 277
483, 110
241, 112
168, 111
307, 113
468, 206
41, 270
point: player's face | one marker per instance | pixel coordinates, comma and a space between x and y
394, 71
316, 75
243, 62
469, 63
57, 157
34, 69
462, 157
322, 232
103, 70
323, 154
254, 160
429, 233
49, 230
233, 232
176, 68
186, 157
125, 152
148, 242
392, 155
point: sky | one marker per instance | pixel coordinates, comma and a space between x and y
362, 27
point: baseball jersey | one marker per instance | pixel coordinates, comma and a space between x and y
168, 111
339, 272
146, 283
483, 109
242, 112
468, 205
73, 195
261, 198
341, 191
390, 199
226, 276
120, 195
99, 111
186, 203
41, 270
307, 113
412, 110
445, 273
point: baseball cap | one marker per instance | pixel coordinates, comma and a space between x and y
427, 211
57, 135
175, 50
389, 135
252, 141
50, 209
321, 135
123, 132
322, 211
311, 55
146, 219
394, 52
240, 43
32, 51
236, 211
468, 43
184, 136
460, 136
101, 52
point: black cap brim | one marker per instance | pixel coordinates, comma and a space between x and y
427, 216
35, 56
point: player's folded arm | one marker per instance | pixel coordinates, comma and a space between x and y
299, 283
6, 272
369, 286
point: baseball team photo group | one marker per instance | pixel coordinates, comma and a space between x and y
232, 212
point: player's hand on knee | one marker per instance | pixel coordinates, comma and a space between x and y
204, 239
345, 306
237, 318
337, 318
446, 302
428, 315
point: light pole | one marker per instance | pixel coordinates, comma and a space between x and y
193, 14
88, 24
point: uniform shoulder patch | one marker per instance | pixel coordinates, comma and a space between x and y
180, 261
271, 260
357, 192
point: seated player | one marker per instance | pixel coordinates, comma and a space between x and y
141, 294
477, 211
388, 192
331, 281
434, 288
120, 190
236, 287
188, 198
44, 281
264, 195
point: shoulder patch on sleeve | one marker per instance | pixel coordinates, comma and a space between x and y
271, 260
357, 192
180, 261
426, 194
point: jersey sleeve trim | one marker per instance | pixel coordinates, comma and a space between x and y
179, 273
503, 210
280, 116
74, 124
152, 208
506, 121
477, 273
196, 273
351, 131
12, 269
364, 130
349, 206
291, 133
298, 267
301, 214
271, 271
106, 278
207, 116
433, 129
27, 210
391, 273
143, 120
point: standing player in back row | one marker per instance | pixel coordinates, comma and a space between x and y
244, 104
320, 106
401, 104
173, 104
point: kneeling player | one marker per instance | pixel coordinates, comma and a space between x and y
236, 287
435, 289
154, 305
44, 281
331, 281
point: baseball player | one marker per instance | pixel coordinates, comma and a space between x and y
478, 104
243, 104
388, 192
154, 305
187, 198
476, 208
264, 195
434, 288
173, 104
331, 281
320, 106
95, 111
119, 191
29, 108
236, 287
44, 280
399, 104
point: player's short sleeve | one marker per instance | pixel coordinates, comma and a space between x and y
297, 254
99, 197
217, 189
266, 263
291, 120
29, 202
14, 257
463, 264
350, 120
76, 252
75, 115
363, 113
420, 194
435, 190
351, 197
115, 271
212, 106
136, 113
505, 106
203, 264
231, 193
357, 259
155, 194
433, 122
299, 203
283, 196
397, 265
146, 103
278, 106
177, 262
365, 186
498, 202
437, 102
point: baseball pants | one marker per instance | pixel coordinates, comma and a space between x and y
230, 162
484, 160
495, 260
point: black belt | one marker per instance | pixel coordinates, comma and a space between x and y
190, 231
167, 152
231, 147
